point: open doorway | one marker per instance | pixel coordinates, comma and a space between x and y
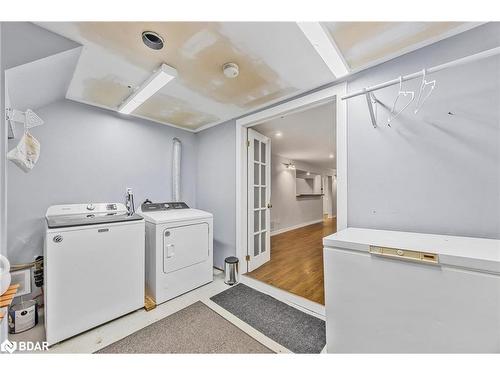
245, 213
292, 198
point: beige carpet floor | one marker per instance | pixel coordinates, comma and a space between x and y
194, 329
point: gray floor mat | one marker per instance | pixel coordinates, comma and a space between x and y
194, 329
292, 328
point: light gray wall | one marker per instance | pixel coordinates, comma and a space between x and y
91, 155
330, 198
215, 185
25, 42
430, 172
333, 182
434, 173
3, 182
288, 210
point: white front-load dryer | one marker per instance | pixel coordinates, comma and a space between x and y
179, 249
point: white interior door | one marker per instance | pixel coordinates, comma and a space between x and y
259, 197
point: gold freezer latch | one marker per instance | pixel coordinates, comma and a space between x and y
412, 255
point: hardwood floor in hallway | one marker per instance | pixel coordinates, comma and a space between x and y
296, 263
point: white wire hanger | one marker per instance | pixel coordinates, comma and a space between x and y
422, 98
400, 94
29, 119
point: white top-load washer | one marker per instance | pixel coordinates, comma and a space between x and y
179, 249
93, 265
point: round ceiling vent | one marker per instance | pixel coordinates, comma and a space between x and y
231, 70
152, 40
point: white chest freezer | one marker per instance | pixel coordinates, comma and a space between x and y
398, 292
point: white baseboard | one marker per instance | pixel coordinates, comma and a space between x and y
283, 230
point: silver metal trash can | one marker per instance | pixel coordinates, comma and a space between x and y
231, 270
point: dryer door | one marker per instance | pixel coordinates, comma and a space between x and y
184, 246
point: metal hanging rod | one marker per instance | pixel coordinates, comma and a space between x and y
464, 60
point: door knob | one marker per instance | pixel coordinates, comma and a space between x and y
269, 205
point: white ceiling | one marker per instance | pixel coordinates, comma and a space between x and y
276, 61
307, 136
273, 58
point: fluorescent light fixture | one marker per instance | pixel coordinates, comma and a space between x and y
152, 85
325, 46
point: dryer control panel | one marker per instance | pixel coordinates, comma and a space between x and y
165, 206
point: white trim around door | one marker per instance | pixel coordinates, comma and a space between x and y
331, 94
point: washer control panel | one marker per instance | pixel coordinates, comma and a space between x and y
149, 206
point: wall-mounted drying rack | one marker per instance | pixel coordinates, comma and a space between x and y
28, 118
371, 99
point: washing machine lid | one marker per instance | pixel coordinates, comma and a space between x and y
161, 217
73, 215
89, 219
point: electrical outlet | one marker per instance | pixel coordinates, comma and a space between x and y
23, 278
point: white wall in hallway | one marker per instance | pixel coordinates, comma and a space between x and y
330, 198
289, 211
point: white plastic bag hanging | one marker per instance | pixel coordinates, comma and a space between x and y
26, 153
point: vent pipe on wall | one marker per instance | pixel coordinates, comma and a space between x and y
176, 170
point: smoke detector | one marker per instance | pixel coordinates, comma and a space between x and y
231, 70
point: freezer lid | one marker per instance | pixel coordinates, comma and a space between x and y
475, 253
64, 221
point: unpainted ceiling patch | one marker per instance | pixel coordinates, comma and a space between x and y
108, 91
349, 35
270, 97
167, 109
433, 30
197, 50
197, 43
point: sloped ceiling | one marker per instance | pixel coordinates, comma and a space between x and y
23, 42
276, 61
41, 82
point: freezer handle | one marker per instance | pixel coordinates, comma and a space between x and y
403, 254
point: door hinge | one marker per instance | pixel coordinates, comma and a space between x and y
248, 143
247, 258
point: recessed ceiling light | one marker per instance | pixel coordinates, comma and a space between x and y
308, 173
331, 156
159, 79
278, 134
152, 40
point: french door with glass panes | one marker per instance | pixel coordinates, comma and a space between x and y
259, 194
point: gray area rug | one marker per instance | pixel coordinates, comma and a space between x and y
292, 328
194, 329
